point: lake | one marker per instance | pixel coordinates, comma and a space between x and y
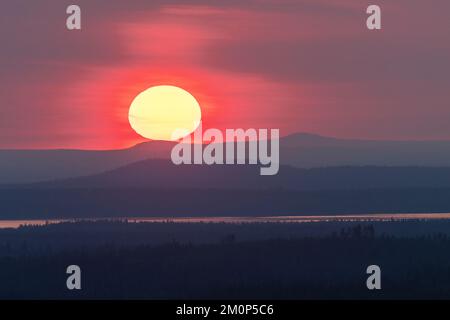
237, 220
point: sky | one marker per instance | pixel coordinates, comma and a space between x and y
295, 65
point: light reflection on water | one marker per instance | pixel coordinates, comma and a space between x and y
277, 219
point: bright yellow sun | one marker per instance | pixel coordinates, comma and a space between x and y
164, 113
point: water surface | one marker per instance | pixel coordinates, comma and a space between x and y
236, 220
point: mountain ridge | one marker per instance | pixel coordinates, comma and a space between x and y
300, 150
162, 174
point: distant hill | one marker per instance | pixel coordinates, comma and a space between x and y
163, 174
300, 150
318, 175
25, 166
150, 202
309, 151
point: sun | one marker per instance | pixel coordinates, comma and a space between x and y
164, 113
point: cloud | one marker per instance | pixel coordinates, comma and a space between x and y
302, 65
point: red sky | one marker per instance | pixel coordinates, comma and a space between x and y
298, 65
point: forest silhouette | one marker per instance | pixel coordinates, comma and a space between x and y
230, 261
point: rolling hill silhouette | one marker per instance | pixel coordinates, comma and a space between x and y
165, 175
300, 150
318, 175
159, 188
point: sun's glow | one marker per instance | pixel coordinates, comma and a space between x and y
164, 113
